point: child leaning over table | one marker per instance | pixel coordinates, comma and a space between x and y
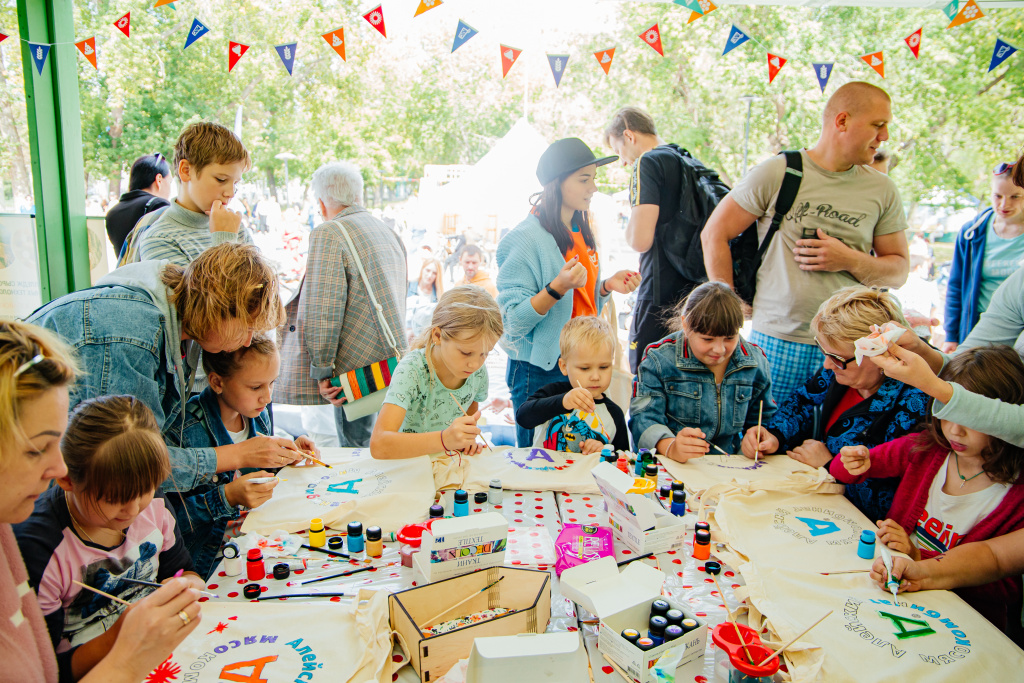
575, 415
702, 384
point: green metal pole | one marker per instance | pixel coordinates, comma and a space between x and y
55, 142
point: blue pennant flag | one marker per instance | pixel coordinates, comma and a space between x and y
736, 38
39, 54
287, 55
197, 31
823, 71
1002, 52
558, 64
952, 9
463, 32
691, 5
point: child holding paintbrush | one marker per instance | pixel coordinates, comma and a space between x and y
431, 405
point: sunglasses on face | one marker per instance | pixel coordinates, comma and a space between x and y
835, 358
1003, 168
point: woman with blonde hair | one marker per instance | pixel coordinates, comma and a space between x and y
422, 297
845, 404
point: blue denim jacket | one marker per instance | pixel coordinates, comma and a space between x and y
203, 513
673, 390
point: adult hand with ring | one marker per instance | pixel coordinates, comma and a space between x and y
185, 619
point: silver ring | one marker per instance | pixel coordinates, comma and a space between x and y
184, 618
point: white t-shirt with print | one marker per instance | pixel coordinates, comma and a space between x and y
947, 519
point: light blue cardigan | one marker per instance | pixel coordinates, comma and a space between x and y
529, 259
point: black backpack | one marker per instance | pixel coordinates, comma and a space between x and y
677, 243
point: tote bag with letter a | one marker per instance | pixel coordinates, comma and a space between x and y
700, 474
531, 469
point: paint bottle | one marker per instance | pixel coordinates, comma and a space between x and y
651, 472
281, 571
608, 454
678, 485
374, 544
623, 464
317, 535
688, 625
660, 608
674, 617
656, 630
678, 507
254, 569
494, 492
461, 507
645, 644
252, 590
639, 465
631, 634
673, 631
701, 544
336, 543
436, 511
866, 547
407, 552
355, 537
232, 559
699, 526
665, 491
480, 499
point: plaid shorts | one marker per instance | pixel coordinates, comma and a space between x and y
792, 363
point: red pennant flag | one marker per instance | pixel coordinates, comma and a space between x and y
161, 3
876, 60
427, 5
969, 13
775, 64
235, 52
705, 5
336, 39
376, 19
125, 24
509, 55
913, 41
88, 48
604, 58
652, 37
3, 36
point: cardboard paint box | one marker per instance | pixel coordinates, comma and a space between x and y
636, 520
622, 601
461, 545
547, 656
525, 590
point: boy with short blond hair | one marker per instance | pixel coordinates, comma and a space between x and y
576, 415
209, 161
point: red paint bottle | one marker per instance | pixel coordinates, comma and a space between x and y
254, 569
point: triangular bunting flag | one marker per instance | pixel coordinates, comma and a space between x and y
652, 37
736, 38
336, 39
39, 54
376, 19
125, 24
161, 3
287, 54
88, 48
235, 52
426, 5
463, 32
876, 60
3, 36
705, 5
197, 31
951, 9
558, 64
969, 13
604, 58
913, 41
823, 71
775, 64
1002, 52
509, 55
692, 5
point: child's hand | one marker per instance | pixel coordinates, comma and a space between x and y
591, 446
910, 574
767, 444
475, 449
856, 459
269, 452
306, 445
243, 492
893, 535
462, 433
578, 399
688, 444
223, 219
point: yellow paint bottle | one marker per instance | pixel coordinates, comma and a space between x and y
374, 542
317, 535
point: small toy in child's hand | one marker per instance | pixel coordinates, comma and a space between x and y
877, 343
578, 544
468, 620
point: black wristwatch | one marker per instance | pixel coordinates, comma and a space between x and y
554, 294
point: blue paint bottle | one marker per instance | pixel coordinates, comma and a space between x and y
678, 503
461, 503
638, 469
355, 537
656, 630
866, 547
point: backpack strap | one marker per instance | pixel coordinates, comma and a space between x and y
787, 197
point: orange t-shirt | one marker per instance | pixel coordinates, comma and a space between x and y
583, 297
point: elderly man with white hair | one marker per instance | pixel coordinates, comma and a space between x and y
332, 326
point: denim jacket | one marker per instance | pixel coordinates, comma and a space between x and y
203, 513
673, 390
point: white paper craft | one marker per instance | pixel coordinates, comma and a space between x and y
876, 343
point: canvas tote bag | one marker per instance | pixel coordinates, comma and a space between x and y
700, 474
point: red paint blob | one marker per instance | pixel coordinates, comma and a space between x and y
607, 670
233, 594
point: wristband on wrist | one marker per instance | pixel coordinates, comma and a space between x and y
447, 450
604, 288
552, 292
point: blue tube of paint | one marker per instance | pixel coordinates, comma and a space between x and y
866, 546
678, 503
461, 503
355, 537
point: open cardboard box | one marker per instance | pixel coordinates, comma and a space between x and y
525, 590
453, 547
547, 656
636, 520
623, 601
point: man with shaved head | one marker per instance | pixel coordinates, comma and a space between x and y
846, 227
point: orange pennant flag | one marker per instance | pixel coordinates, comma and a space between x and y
125, 24
427, 5
775, 64
969, 13
88, 48
652, 37
161, 3
876, 60
705, 5
509, 55
604, 58
336, 39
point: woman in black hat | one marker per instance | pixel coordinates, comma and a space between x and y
550, 254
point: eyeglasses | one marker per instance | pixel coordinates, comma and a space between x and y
1003, 168
835, 358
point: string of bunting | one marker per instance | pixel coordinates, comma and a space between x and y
958, 13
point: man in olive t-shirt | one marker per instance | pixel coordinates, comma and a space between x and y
843, 211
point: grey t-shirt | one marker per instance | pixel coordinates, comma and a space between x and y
853, 206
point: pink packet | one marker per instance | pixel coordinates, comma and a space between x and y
578, 544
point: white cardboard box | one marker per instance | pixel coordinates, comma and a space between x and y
636, 520
546, 656
453, 547
623, 600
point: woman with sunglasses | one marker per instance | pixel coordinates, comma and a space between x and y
845, 404
989, 248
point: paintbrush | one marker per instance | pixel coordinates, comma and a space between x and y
779, 651
326, 551
434, 619
98, 591
464, 412
846, 571
154, 584
617, 668
599, 421
710, 443
332, 576
757, 453
309, 456
713, 568
304, 595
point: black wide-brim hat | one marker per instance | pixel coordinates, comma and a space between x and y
564, 156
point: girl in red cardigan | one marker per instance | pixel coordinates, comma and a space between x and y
958, 485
